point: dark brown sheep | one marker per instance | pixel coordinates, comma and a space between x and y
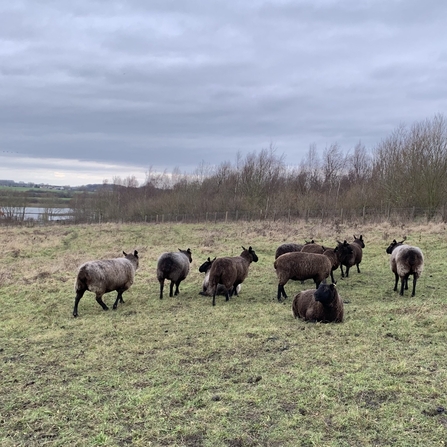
105, 276
351, 254
334, 256
405, 260
206, 268
323, 304
230, 272
287, 248
300, 266
312, 247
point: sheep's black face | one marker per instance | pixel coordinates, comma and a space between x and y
392, 246
359, 241
253, 254
206, 265
325, 293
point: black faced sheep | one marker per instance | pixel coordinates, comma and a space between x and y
230, 272
300, 266
405, 260
105, 276
351, 254
175, 267
323, 304
206, 268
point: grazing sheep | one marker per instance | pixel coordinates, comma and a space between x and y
287, 248
351, 254
300, 266
405, 260
230, 272
105, 276
173, 266
323, 304
206, 268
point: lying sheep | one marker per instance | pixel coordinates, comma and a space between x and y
300, 266
323, 304
351, 254
230, 272
175, 267
405, 260
105, 276
206, 268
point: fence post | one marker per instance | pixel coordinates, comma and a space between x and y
226, 216
341, 215
237, 214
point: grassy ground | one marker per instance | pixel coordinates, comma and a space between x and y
178, 372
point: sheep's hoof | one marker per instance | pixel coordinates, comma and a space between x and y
75, 315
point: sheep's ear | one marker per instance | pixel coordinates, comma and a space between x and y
135, 253
189, 250
243, 248
214, 258
124, 253
209, 260
324, 248
250, 249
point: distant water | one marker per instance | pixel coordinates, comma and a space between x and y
47, 213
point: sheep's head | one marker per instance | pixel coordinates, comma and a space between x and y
206, 265
326, 293
251, 253
344, 249
359, 241
393, 245
132, 257
187, 253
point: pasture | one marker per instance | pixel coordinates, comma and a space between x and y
179, 372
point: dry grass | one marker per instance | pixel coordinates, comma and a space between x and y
178, 372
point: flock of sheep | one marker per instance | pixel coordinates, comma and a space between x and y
224, 275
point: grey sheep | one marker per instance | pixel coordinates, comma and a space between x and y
173, 266
323, 304
230, 272
351, 254
105, 276
300, 266
405, 260
206, 268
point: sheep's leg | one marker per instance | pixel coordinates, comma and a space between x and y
396, 278
234, 289
347, 271
119, 298
342, 272
281, 291
177, 285
214, 295
358, 268
171, 288
402, 286
162, 284
79, 295
406, 282
332, 277
413, 293
100, 301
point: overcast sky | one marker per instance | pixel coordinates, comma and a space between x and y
92, 89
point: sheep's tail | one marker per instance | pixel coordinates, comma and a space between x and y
82, 280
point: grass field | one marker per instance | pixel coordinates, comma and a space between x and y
178, 372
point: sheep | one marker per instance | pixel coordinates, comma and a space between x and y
351, 254
334, 256
324, 304
405, 260
287, 248
173, 266
206, 268
105, 276
312, 247
230, 272
301, 266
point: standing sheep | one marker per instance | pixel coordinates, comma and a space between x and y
323, 304
405, 260
206, 268
287, 248
300, 266
312, 247
230, 272
105, 276
351, 254
333, 255
175, 267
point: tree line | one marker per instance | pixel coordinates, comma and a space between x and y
406, 170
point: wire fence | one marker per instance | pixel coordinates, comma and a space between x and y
340, 215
